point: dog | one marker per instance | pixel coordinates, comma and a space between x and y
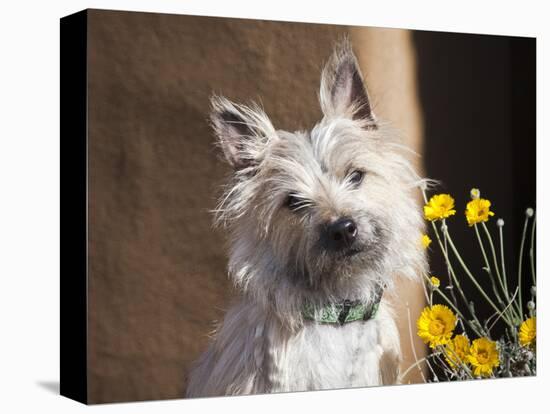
321, 225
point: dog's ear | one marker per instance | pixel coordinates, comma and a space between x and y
243, 132
343, 92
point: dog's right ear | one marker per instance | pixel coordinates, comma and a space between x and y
243, 132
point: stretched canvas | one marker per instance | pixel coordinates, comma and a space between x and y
255, 207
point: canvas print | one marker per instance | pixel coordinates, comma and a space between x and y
257, 207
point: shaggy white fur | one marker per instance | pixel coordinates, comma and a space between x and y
287, 189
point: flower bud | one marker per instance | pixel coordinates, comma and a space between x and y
500, 222
529, 212
475, 193
533, 290
531, 305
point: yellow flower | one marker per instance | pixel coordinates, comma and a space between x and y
435, 281
439, 207
483, 357
426, 241
435, 325
457, 350
477, 211
528, 331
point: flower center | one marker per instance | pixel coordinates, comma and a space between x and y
437, 327
482, 357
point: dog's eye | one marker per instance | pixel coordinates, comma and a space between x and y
294, 203
356, 177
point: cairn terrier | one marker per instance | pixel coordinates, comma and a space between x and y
321, 224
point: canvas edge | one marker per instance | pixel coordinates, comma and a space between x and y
73, 206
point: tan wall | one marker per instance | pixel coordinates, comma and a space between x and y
157, 268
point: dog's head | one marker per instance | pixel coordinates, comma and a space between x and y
326, 213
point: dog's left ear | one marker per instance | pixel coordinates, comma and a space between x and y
343, 92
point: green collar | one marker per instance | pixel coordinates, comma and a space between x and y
345, 312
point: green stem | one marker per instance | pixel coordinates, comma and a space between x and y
501, 240
459, 314
413, 349
488, 267
416, 364
443, 366
520, 264
502, 313
473, 279
531, 252
495, 260
451, 286
453, 277
425, 290
499, 276
493, 252
456, 360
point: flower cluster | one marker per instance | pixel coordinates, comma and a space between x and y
436, 325
512, 353
441, 206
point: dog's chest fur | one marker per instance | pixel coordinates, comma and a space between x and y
333, 356
255, 354
325, 356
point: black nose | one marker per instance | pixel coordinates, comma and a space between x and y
342, 233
